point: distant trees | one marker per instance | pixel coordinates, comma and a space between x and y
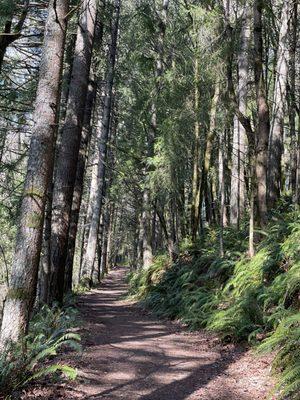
246, 122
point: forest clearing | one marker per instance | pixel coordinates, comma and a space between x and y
150, 199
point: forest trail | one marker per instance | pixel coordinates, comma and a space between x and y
130, 355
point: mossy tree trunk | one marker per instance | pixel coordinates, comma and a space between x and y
67, 158
21, 295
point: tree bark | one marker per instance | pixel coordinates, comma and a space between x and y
222, 191
78, 188
196, 179
263, 123
159, 69
292, 166
70, 142
239, 148
45, 264
21, 295
108, 205
204, 194
102, 146
106, 230
279, 104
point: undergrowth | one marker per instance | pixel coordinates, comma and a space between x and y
33, 357
240, 298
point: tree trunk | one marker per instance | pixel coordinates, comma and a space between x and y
279, 104
108, 206
222, 191
78, 188
45, 264
70, 143
171, 244
195, 206
292, 166
147, 201
297, 194
146, 230
263, 123
252, 214
21, 295
239, 148
102, 146
204, 194
106, 230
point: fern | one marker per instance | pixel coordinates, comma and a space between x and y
29, 359
237, 297
68, 371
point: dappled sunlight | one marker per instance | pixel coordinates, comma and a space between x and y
131, 355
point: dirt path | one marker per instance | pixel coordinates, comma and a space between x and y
131, 355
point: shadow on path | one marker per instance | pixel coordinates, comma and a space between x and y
131, 355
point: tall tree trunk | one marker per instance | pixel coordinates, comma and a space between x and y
279, 104
135, 246
44, 269
140, 240
70, 142
147, 201
239, 150
106, 230
222, 191
297, 194
252, 211
263, 123
159, 69
204, 194
102, 146
110, 236
78, 188
108, 205
292, 166
45, 265
91, 154
23, 282
195, 206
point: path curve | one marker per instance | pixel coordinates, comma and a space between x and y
132, 355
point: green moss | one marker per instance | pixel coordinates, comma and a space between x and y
18, 294
34, 220
34, 192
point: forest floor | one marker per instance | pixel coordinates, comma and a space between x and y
129, 354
